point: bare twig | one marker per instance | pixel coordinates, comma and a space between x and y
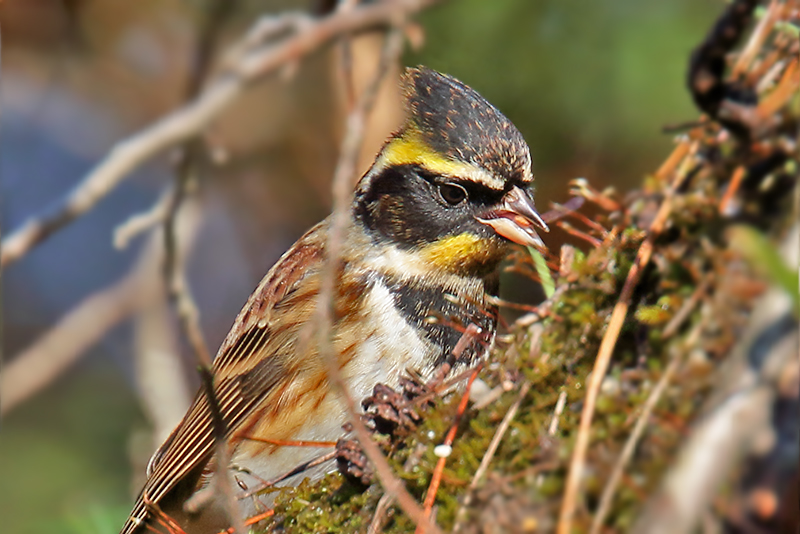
176, 284
252, 63
569, 502
141, 222
630, 445
557, 411
683, 313
55, 351
302, 468
487, 457
346, 55
385, 502
342, 191
174, 273
189, 320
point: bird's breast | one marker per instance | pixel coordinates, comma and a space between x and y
392, 326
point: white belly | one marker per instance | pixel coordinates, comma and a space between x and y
389, 347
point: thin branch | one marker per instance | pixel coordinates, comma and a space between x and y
252, 62
175, 278
55, 351
346, 58
59, 348
630, 445
174, 273
142, 222
342, 192
385, 502
604, 354
302, 468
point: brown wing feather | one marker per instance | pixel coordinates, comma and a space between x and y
246, 369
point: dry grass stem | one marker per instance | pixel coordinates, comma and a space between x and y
557, 411
630, 445
603, 359
490, 452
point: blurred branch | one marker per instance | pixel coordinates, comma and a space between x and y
180, 295
252, 60
56, 350
141, 222
163, 387
60, 347
346, 56
739, 419
342, 193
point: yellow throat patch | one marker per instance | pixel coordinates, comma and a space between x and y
463, 254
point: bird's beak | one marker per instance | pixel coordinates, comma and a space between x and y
516, 219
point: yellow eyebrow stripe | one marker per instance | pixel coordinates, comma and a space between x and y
411, 149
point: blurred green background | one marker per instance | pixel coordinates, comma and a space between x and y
589, 84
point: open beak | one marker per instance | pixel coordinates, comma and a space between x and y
516, 219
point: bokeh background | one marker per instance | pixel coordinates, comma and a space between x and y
589, 84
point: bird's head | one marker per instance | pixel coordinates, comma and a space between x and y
453, 185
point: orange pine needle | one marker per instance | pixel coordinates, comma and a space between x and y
436, 479
251, 521
733, 187
756, 41
163, 519
571, 230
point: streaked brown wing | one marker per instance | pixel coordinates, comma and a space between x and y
252, 360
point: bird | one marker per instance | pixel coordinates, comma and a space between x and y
429, 224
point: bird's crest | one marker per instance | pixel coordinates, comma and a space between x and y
452, 121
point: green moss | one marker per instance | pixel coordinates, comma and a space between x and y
531, 462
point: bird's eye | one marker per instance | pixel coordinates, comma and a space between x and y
453, 194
